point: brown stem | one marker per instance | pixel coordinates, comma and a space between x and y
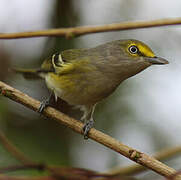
4, 177
94, 134
78, 31
13, 150
21, 167
136, 168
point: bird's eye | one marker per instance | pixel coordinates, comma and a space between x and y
133, 49
57, 60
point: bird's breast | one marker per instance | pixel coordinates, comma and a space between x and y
80, 89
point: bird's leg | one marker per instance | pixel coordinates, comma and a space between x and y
45, 103
88, 120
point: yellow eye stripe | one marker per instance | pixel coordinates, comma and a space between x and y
143, 49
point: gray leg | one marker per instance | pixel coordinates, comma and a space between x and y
45, 103
88, 120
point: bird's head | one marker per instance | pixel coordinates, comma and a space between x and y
136, 50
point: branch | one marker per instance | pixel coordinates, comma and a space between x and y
94, 134
78, 31
136, 168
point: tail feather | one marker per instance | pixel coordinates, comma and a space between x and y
28, 73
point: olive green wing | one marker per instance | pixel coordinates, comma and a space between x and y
66, 55
78, 61
47, 66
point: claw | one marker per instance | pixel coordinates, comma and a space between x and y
87, 126
43, 105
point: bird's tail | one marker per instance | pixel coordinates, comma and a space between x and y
28, 73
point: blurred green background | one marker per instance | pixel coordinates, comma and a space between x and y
143, 113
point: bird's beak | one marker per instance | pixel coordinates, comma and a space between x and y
157, 60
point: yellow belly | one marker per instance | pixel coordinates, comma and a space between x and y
67, 89
80, 88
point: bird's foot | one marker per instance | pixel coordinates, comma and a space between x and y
43, 105
87, 126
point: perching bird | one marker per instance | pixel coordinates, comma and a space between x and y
83, 77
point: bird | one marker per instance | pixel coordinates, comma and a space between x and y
84, 77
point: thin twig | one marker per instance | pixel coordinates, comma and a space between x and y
13, 150
22, 167
94, 134
60, 173
4, 177
28, 164
78, 31
136, 168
